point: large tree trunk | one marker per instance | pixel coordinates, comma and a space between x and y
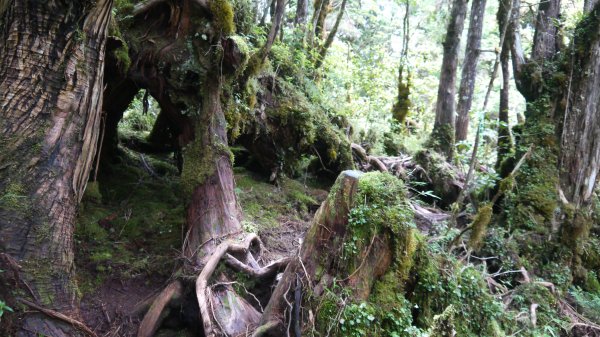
579, 161
469, 70
557, 183
51, 72
442, 137
213, 211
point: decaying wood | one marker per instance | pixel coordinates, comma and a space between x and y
318, 253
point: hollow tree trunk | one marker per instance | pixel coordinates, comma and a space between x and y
442, 137
51, 71
469, 70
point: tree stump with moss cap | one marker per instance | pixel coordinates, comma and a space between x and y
358, 234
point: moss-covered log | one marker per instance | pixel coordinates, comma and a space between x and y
285, 125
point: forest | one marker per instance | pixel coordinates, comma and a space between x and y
272, 168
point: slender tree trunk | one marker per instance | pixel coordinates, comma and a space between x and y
442, 137
331, 36
322, 9
469, 70
51, 72
504, 135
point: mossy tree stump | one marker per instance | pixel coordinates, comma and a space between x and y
361, 232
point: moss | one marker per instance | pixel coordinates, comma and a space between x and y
442, 140
244, 16
121, 54
479, 226
92, 192
15, 197
222, 12
443, 324
134, 228
440, 177
199, 163
403, 102
592, 283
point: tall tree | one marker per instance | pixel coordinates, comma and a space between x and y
442, 137
469, 70
504, 136
563, 123
51, 72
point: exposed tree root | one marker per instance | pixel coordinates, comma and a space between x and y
59, 316
202, 292
153, 318
266, 271
205, 294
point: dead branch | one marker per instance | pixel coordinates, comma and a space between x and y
59, 316
361, 153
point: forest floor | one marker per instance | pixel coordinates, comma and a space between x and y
131, 225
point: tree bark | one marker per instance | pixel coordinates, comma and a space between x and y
213, 211
580, 141
588, 5
469, 70
442, 137
545, 39
51, 72
301, 13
